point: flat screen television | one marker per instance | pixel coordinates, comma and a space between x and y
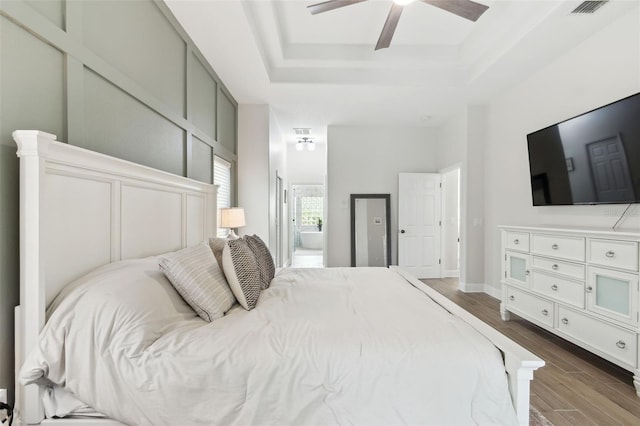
593, 158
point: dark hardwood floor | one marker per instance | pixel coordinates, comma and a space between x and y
575, 387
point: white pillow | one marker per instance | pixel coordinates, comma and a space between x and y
217, 246
241, 269
195, 274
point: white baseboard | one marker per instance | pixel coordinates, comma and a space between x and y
471, 287
450, 273
480, 288
493, 291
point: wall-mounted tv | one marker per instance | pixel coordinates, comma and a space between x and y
593, 158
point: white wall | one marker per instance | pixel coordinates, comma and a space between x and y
307, 167
368, 160
261, 154
452, 141
278, 167
472, 220
604, 68
461, 141
253, 168
450, 222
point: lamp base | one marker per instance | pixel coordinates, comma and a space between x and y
232, 235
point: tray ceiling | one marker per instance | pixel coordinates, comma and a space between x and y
319, 70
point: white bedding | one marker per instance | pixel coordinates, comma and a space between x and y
323, 346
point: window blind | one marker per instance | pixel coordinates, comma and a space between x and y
222, 178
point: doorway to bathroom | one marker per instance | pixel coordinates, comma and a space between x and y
307, 218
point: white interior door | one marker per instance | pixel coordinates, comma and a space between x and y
419, 224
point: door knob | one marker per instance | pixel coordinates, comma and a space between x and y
402, 231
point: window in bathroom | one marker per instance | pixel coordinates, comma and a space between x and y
310, 210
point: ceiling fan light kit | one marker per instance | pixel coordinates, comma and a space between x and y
467, 9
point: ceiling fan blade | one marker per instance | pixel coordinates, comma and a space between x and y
330, 5
389, 27
465, 8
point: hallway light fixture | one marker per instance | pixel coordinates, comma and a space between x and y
308, 142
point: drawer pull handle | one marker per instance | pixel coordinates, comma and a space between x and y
516, 241
554, 287
512, 298
610, 253
589, 289
565, 321
554, 267
545, 312
555, 247
621, 344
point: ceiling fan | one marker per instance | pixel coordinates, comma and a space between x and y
465, 8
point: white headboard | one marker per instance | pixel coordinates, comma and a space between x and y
80, 209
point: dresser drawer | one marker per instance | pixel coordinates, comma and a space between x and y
561, 289
568, 269
614, 341
616, 254
530, 305
517, 241
564, 247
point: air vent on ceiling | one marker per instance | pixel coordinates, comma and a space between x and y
302, 132
589, 6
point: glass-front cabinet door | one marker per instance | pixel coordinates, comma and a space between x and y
516, 268
613, 294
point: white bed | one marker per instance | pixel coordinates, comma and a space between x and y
360, 339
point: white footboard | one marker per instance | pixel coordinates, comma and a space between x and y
519, 362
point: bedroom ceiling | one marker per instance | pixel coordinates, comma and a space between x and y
320, 70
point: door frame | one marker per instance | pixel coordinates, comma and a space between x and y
292, 218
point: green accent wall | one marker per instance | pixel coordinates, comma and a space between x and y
117, 77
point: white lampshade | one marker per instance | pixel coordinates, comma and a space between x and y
311, 146
232, 218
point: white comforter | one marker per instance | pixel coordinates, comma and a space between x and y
324, 346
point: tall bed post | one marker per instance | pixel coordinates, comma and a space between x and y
32, 149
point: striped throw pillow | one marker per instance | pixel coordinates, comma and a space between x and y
195, 274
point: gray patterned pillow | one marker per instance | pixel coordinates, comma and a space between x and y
195, 274
241, 269
217, 245
266, 267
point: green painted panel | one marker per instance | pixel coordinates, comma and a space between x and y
117, 124
31, 77
32, 81
9, 266
53, 10
226, 122
136, 38
201, 161
202, 98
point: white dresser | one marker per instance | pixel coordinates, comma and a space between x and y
581, 284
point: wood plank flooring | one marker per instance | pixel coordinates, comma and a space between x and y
575, 387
